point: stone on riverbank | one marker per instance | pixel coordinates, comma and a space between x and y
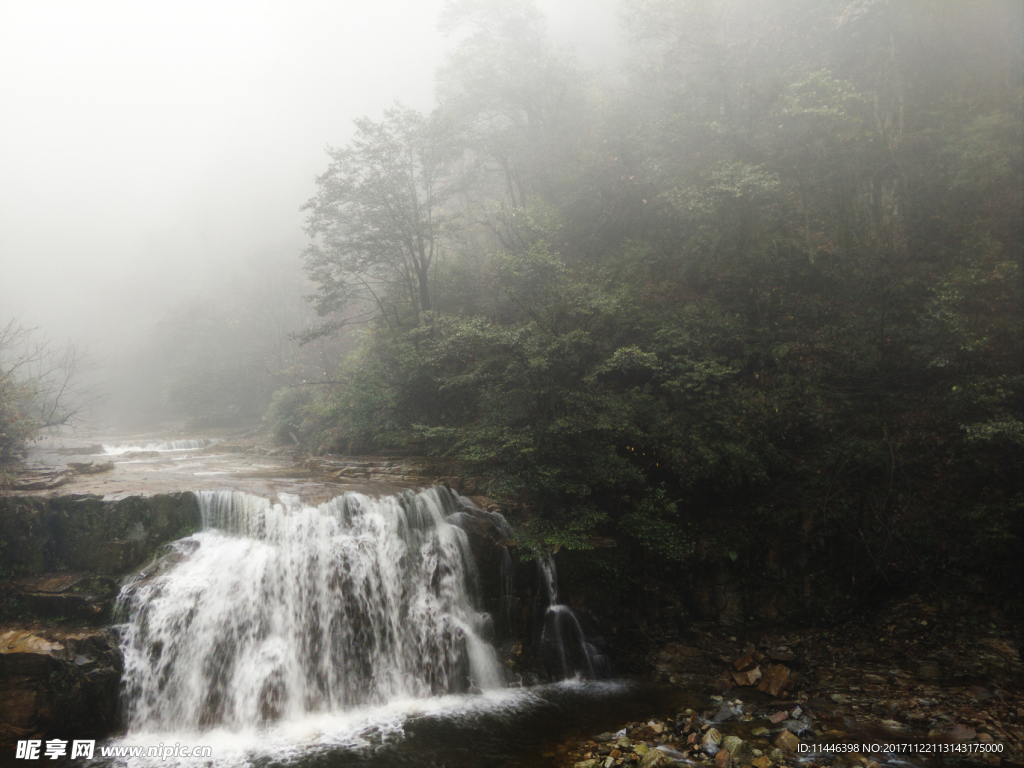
58, 683
787, 742
63, 554
60, 596
656, 759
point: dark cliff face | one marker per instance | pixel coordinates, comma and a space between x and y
60, 562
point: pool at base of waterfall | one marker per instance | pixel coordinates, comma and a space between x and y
505, 727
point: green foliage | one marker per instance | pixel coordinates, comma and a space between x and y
781, 280
380, 218
286, 416
821, 95
653, 524
986, 152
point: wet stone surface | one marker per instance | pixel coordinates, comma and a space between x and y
57, 681
941, 682
115, 467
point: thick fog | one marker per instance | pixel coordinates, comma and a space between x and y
148, 150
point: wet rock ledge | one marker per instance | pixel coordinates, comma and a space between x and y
89, 533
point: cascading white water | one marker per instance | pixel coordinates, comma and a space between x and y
161, 447
275, 610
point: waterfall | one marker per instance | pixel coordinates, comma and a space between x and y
564, 649
161, 447
277, 609
494, 526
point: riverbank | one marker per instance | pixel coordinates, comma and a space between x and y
941, 682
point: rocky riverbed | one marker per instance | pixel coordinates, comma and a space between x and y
117, 466
941, 682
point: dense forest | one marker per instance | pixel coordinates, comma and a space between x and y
768, 273
773, 272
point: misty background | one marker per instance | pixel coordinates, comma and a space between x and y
756, 260
154, 157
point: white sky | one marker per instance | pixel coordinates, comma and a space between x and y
144, 144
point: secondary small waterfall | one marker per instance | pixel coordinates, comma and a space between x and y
275, 610
564, 649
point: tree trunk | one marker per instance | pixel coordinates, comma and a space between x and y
422, 278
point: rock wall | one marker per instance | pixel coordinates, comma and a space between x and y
88, 533
60, 561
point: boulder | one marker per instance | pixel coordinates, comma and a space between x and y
726, 712
736, 747
711, 741
743, 662
656, 759
58, 684
776, 680
787, 742
59, 596
90, 533
747, 677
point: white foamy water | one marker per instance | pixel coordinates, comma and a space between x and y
278, 612
161, 447
459, 730
302, 737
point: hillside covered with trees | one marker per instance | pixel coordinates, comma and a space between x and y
772, 273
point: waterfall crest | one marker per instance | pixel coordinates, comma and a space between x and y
277, 609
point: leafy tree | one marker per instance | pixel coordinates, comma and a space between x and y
522, 106
381, 217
